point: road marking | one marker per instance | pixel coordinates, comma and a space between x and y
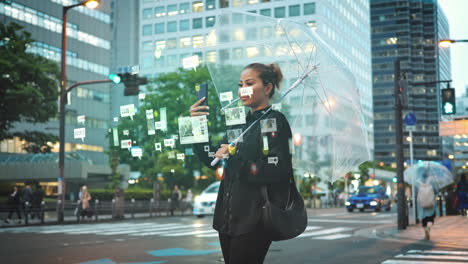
333, 237
439, 252
419, 256
139, 229
417, 262
93, 228
108, 229
332, 214
209, 235
351, 221
168, 230
191, 233
325, 232
385, 215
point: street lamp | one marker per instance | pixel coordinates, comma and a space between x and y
63, 96
446, 43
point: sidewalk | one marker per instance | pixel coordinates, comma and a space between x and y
448, 231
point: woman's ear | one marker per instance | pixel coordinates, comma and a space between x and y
268, 89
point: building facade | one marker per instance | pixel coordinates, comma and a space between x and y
88, 58
409, 30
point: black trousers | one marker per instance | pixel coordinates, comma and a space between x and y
14, 209
427, 219
250, 248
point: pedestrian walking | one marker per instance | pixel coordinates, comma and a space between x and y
14, 205
426, 204
189, 199
176, 196
119, 203
27, 196
238, 210
85, 198
462, 194
37, 197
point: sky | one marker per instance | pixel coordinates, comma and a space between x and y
456, 12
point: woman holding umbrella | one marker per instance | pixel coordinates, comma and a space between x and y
237, 215
426, 204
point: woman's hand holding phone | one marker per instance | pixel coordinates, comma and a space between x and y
197, 109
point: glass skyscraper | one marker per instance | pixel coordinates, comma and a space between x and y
409, 30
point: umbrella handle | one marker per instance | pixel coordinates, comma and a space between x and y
216, 160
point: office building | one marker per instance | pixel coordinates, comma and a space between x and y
409, 30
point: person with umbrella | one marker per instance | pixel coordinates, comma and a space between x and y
237, 215
426, 204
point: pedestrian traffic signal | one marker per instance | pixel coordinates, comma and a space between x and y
394, 179
131, 82
448, 101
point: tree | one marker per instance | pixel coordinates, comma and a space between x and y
175, 92
29, 88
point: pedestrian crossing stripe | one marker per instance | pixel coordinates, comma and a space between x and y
429, 257
171, 230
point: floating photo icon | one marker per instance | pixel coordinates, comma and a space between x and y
189, 152
81, 119
227, 96
126, 143
235, 116
193, 129
127, 110
273, 160
137, 152
268, 125
157, 146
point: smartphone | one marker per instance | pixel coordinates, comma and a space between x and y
203, 92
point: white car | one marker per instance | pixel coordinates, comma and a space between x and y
205, 202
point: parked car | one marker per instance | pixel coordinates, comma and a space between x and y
369, 197
205, 202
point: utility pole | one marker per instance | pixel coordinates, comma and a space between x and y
399, 148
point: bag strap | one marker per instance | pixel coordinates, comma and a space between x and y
264, 191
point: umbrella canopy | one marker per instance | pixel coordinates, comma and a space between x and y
319, 95
428, 171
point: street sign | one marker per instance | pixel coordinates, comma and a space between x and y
410, 119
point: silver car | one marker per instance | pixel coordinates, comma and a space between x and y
205, 202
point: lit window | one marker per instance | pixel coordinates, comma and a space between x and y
211, 56
252, 52
223, 3
147, 13
172, 43
252, 2
197, 41
312, 24
391, 41
294, 10
210, 4
184, 8
172, 10
160, 11
184, 25
280, 12
309, 9
185, 42
147, 30
239, 34
236, 3
159, 62
197, 23
266, 32
265, 12
197, 6
172, 26
161, 44
159, 28
210, 21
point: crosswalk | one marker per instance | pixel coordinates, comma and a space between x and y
193, 229
429, 257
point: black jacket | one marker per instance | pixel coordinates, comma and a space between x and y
239, 202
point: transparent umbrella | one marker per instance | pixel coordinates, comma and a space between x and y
319, 96
439, 175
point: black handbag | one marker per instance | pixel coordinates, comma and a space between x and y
287, 223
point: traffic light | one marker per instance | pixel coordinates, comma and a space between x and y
131, 82
394, 179
448, 101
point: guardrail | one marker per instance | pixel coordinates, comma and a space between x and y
98, 210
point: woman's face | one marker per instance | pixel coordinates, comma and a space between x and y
260, 92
